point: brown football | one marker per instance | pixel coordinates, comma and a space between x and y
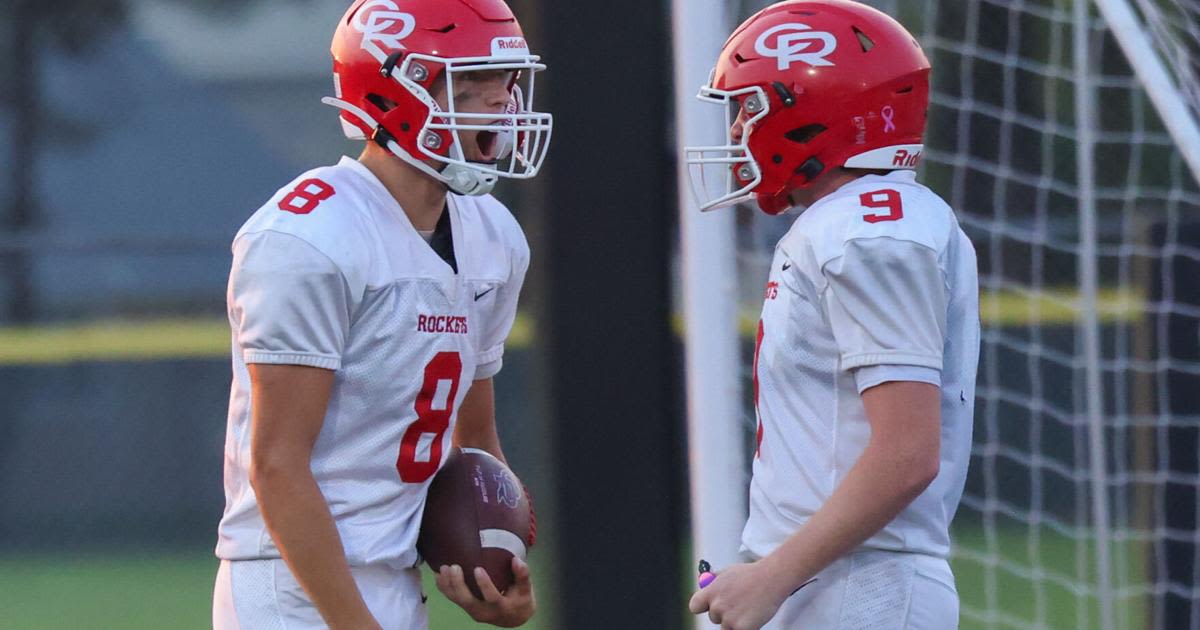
476, 515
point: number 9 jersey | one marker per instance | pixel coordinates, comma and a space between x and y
875, 282
331, 274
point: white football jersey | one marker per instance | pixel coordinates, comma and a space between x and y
330, 273
875, 282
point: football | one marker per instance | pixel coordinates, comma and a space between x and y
476, 515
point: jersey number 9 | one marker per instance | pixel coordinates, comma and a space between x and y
886, 198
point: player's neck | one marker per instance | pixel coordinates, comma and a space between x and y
828, 183
420, 196
824, 186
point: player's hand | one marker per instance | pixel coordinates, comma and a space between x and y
507, 610
743, 597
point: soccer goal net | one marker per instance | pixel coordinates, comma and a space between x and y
1065, 136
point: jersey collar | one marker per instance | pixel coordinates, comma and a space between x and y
897, 177
378, 190
448, 270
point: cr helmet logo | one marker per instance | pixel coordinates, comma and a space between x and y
382, 22
796, 42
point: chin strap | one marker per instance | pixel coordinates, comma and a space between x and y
459, 179
465, 181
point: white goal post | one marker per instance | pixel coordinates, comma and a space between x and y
1166, 86
708, 275
1066, 134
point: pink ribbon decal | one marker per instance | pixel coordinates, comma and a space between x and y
888, 115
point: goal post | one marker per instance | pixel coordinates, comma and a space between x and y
1177, 102
709, 305
1065, 134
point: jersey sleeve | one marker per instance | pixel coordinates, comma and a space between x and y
289, 303
867, 377
885, 300
496, 329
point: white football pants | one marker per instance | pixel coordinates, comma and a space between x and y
263, 595
875, 590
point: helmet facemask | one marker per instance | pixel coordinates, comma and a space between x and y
522, 135
727, 174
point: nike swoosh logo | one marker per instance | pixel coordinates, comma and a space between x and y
787, 266
479, 295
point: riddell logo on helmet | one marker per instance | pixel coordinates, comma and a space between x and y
382, 22
905, 159
509, 47
794, 42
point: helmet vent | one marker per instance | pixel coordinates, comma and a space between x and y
739, 58
384, 104
863, 40
905, 90
445, 29
805, 134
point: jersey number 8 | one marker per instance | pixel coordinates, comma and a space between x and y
311, 191
434, 406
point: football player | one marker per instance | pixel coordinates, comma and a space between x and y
369, 303
864, 369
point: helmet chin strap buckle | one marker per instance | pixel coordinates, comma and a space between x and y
381, 137
467, 181
389, 64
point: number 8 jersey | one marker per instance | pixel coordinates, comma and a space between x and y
331, 274
875, 282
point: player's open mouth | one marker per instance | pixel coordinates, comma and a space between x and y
486, 140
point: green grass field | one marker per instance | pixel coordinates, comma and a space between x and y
1017, 602
134, 592
166, 590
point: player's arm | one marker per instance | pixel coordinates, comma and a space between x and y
886, 305
291, 306
901, 459
476, 427
288, 411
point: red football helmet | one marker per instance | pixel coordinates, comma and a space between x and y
817, 85
386, 59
